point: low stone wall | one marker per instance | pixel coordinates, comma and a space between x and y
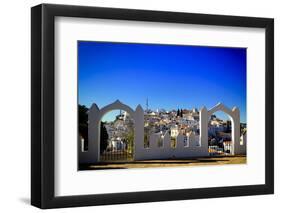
191, 149
196, 145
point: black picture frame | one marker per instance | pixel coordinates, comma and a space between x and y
43, 117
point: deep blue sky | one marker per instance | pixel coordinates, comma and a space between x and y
170, 76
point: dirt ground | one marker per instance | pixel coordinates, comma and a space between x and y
204, 161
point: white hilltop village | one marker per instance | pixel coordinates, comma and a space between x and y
162, 134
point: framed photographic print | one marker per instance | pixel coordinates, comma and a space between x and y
139, 106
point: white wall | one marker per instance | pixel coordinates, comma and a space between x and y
15, 104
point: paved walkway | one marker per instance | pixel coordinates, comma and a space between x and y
216, 160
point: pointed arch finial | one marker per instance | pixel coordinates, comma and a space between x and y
94, 107
118, 101
204, 108
139, 107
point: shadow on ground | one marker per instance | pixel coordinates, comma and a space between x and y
25, 200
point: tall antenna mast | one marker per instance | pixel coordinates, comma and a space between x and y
147, 104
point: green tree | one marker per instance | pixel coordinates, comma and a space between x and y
146, 136
83, 123
103, 137
129, 138
228, 126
